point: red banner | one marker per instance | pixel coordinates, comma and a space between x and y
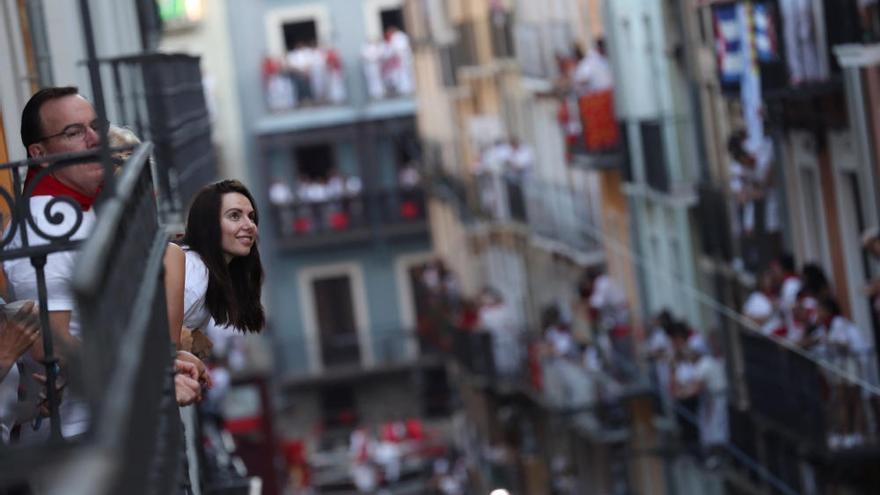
600, 130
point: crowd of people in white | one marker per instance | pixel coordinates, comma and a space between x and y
800, 307
314, 74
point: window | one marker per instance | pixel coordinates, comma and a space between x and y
303, 23
392, 17
298, 33
654, 155
335, 315
337, 326
315, 162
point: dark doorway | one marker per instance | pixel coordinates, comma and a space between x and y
337, 325
315, 161
299, 33
392, 17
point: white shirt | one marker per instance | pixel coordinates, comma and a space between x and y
280, 194
20, 274
761, 309
22, 283
195, 313
522, 158
710, 371
561, 341
301, 59
789, 291
608, 298
845, 333
593, 73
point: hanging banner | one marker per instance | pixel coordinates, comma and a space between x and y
599, 124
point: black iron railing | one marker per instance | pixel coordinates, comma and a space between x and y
122, 366
121, 300
161, 97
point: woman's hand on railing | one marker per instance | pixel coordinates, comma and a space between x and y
187, 389
204, 377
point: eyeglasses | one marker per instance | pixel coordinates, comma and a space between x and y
75, 132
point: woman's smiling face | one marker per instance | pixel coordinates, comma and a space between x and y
238, 230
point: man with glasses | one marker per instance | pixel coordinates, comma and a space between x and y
59, 120
55, 120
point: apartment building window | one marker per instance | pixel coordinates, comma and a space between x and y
337, 326
301, 25
314, 162
501, 30
392, 17
335, 315
654, 155
300, 32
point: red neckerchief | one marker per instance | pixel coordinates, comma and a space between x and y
50, 186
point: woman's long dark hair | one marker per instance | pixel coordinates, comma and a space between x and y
234, 288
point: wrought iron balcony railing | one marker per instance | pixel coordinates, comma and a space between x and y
161, 97
122, 367
121, 371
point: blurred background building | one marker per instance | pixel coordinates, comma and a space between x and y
524, 245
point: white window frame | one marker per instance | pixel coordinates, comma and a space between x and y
405, 294
277, 18
355, 274
372, 17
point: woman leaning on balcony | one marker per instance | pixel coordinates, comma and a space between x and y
217, 269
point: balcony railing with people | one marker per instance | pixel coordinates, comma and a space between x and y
123, 371
352, 216
120, 377
316, 76
827, 399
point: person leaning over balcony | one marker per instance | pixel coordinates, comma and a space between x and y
56, 120
121, 137
220, 273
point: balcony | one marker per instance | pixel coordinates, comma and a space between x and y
794, 65
377, 86
356, 218
559, 217
122, 372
